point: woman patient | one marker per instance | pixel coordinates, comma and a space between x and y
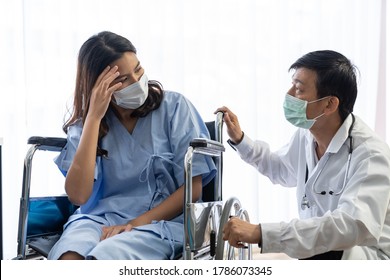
124, 159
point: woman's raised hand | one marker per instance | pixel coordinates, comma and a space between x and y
102, 92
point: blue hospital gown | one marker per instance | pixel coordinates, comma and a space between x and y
142, 169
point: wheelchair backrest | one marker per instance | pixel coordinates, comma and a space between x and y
208, 192
47, 215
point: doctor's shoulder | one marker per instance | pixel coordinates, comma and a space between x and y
365, 137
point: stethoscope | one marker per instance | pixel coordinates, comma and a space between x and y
305, 202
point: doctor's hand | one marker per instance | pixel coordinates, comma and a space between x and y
233, 126
102, 92
114, 230
237, 232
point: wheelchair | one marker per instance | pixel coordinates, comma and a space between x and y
204, 221
41, 219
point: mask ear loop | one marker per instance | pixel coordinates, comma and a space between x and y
322, 98
314, 101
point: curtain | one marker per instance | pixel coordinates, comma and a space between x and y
215, 52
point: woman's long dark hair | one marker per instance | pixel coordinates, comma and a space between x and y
95, 55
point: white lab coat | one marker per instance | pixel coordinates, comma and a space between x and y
356, 221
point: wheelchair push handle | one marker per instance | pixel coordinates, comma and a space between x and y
47, 143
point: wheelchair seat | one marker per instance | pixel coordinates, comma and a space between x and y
46, 217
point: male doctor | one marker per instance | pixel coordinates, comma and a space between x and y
339, 166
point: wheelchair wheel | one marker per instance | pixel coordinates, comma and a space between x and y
224, 250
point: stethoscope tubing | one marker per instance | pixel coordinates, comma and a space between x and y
305, 202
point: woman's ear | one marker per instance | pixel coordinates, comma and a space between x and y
333, 105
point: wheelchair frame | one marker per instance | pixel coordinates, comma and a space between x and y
203, 222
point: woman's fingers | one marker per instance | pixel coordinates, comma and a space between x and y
102, 91
108, 79
107, 72
104, 72
110, 231
103, 84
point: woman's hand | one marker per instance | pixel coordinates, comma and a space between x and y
233, 126
114, 230
102, 92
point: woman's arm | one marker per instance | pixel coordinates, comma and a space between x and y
80, 177
172, 206
167, 210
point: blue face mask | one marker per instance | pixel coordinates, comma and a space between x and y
295, 111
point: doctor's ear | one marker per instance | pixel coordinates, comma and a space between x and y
333, 104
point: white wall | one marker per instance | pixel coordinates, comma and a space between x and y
226, 52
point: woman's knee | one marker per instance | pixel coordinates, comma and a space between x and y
70, 255
134, 245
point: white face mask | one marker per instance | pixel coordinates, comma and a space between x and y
134, 95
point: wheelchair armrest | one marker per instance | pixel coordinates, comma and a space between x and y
47, 143
207, 146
